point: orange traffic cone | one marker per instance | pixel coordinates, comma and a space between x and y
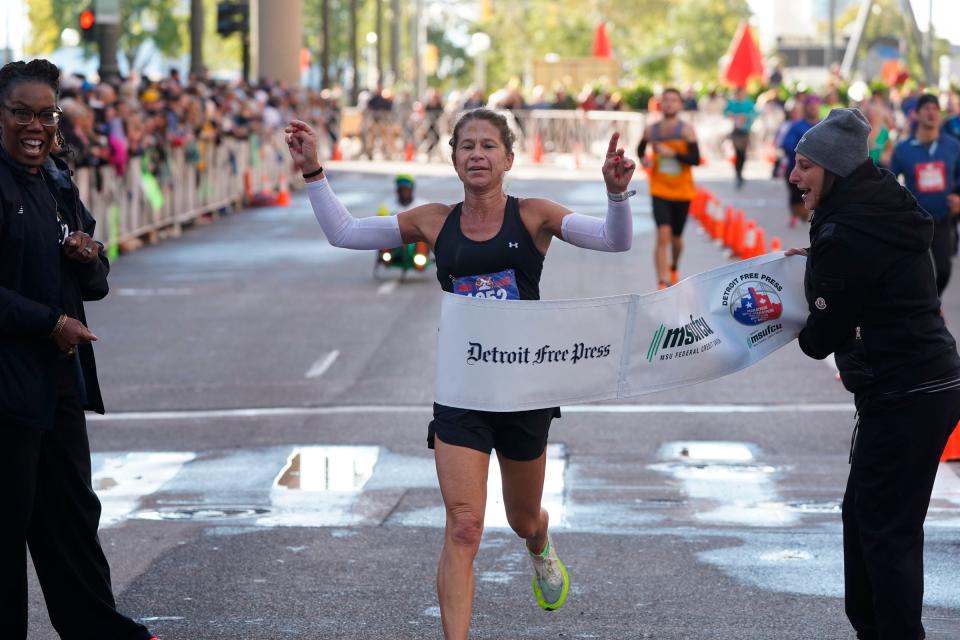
713, 222
337, 154
747, 241
283, 197
728, 228
775, 244
952, 450
741, 222
721, 223
247, 185
760, 245
408, 152
698, 203
536, 153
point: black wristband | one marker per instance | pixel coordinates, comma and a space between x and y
313, 174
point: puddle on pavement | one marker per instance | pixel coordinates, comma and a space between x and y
812, 564
329, 468
786, 555
815, 507
205, 512
727, 474
322, 486
121, 480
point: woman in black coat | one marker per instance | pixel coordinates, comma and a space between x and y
49, 265
871, 288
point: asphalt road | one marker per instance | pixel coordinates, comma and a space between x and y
264, 472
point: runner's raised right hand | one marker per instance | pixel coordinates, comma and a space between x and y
302, 143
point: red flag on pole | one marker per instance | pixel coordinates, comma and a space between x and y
745, 59
601, 43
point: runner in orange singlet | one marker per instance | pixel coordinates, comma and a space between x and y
675, 151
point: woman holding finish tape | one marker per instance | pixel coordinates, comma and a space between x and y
489, 245
872, 292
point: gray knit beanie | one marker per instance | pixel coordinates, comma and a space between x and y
838, 143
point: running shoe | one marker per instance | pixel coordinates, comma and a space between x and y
550, 579
662, 285
674, 276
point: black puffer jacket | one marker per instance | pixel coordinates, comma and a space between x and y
871, 287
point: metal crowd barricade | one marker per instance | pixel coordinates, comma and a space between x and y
219, 177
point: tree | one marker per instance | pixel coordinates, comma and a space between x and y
151, 20
704, 30
45, 28
140, 20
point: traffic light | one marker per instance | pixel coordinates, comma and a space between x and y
232, 17
88, 25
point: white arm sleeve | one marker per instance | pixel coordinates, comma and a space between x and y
613, 233
343, 230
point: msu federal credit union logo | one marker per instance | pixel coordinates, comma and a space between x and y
683, 341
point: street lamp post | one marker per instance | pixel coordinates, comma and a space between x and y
478, 48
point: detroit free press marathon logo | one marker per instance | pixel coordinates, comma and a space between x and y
753, 299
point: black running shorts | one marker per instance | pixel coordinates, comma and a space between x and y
672, 213
516, 435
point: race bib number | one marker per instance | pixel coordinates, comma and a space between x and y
669, 166
498, 286
931, 177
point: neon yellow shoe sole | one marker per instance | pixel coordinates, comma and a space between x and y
548, 606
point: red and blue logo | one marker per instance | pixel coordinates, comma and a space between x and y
498, 286
754, 303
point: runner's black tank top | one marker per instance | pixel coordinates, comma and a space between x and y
457, 256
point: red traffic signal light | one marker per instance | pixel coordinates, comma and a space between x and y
88, 25
87, 19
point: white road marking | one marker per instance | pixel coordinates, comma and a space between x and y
274, 412
387, 287
320, 366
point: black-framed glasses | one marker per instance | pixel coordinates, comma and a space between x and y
23, 117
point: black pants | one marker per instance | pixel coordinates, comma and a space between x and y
45, 476
943, 248
741, 140
894, 463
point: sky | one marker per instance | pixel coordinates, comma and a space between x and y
946, 15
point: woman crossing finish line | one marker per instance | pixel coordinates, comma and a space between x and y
489, 245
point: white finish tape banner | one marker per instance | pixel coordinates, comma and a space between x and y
514, 355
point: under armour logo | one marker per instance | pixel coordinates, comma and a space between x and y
513, 245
